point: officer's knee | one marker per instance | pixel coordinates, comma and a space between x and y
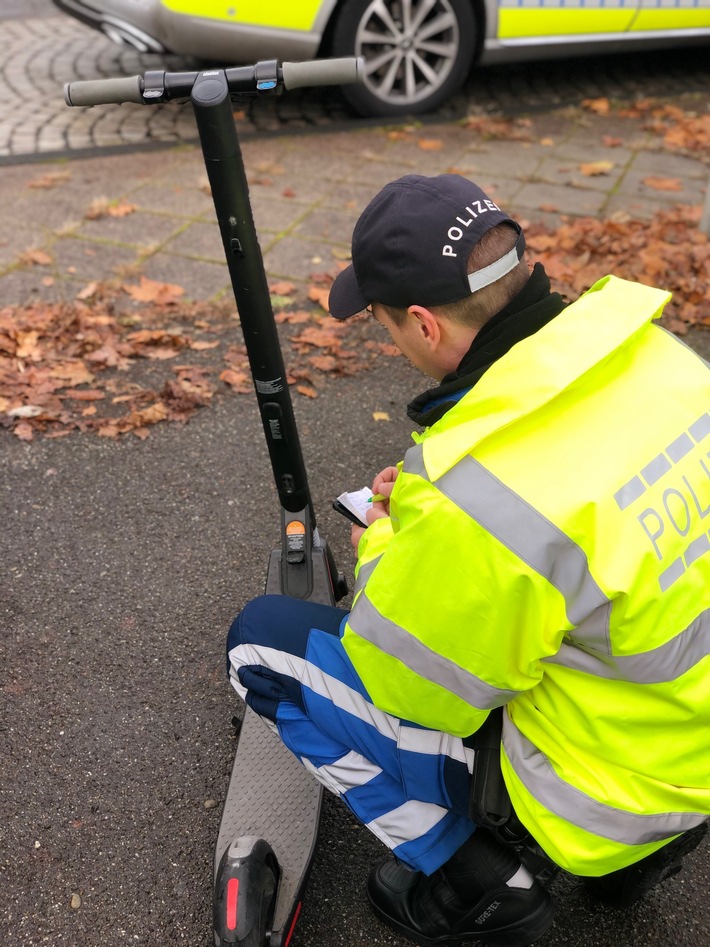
253, 621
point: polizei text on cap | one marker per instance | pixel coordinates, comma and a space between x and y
474, 210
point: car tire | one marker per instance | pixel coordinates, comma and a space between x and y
406, 71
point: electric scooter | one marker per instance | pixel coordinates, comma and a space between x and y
270, 817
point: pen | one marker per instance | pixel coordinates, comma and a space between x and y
375, 497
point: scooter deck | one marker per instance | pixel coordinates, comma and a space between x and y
271, 795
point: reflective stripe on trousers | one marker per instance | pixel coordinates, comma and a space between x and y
407, 784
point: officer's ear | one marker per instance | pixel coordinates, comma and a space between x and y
428, 326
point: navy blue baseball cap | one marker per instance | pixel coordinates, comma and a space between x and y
411, 245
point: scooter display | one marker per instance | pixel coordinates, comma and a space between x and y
271, 811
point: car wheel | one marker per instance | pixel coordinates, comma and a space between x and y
417, 52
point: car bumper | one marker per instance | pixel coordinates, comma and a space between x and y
141, 35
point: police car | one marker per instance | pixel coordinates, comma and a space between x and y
417, 52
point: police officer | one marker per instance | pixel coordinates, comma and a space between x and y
542, 548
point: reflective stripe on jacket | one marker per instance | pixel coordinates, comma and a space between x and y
549, 549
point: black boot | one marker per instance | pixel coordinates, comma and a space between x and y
481, 893
624, 887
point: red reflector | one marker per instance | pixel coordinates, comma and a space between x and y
232, 892
293, 924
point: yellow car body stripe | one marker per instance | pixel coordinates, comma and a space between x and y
521, 22
680, 18
280, 15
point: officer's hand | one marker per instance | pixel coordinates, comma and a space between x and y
383, 484
372, 515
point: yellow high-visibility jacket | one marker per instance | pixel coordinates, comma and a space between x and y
549, 550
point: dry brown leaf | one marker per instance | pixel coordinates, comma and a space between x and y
324, 363
320, 296
153, 291
50, 179
36, 257
282, 288
307, 390
294, 318
430, 144
85, 394
122, 209
600, 106
200, 345
88, 291
594, 168
97, 208
27, 345
152, 415
610, 142
238, 381
24, 431
160, 352
380, 416
663, 184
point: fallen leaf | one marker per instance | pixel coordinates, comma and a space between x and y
547, 142
610, 142
88, 291
152, 291
594, 168
84, 394
600, 106
97, 208
293, 317
282, 288
307, 391
238, 381
199, 345
380, 416
320, 296
430, 144
24, 431
663, 184
122, 209
50, 180
324, 363
36, 257
27, 345
151, 415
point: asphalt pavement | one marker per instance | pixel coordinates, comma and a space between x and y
125, 560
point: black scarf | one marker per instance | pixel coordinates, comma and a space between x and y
530, 310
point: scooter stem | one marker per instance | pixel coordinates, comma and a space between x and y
230, 192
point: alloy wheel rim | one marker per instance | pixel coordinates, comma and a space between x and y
409, 48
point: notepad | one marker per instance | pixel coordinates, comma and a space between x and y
356, 504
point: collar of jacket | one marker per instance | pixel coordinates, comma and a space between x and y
584, 336
531, 309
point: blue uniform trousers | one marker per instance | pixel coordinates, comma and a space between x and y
407, 784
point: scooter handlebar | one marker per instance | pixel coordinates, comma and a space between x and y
104, 91
298, 75
241, 80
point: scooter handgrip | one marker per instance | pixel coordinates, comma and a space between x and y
104, 91
323, 72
